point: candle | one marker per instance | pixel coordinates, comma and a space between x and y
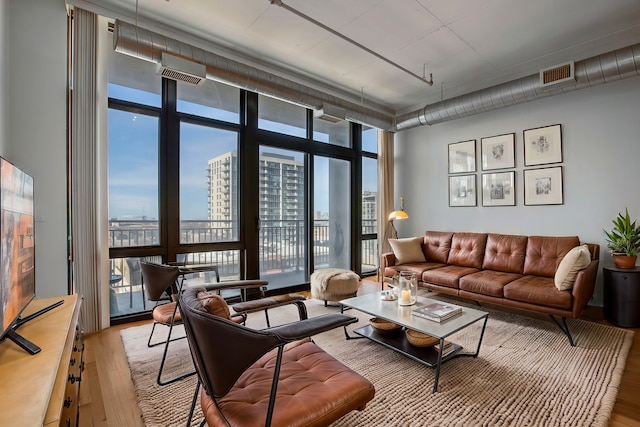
405, 296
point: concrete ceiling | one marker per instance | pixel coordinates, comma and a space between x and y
466, 44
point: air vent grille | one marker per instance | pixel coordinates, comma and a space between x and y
177, 75
563, 73
181, 69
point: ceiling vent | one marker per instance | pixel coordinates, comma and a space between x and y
330, 113
558, 75
175, 68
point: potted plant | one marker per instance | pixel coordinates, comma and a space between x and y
624, 240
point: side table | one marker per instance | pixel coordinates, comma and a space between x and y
622, 296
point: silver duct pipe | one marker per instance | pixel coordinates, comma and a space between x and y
144, 44
617, 65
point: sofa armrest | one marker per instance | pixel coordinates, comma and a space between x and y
583, 287
387, 260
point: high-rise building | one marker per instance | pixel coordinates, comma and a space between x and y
369, 211
281, 193
281, 188
222, 174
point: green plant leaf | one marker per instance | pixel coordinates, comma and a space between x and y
624, 237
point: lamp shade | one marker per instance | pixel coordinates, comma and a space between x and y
396, 215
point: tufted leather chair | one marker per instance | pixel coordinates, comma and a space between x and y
276, 376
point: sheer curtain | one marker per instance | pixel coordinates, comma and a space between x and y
87, 230
385, 185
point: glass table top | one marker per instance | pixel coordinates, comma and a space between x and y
374, 305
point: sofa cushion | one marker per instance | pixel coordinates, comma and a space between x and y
487, 282
545, 253
447, 276
538, 291
505, 252
467, 249
407, 250
414, 267
436, 246
575, 260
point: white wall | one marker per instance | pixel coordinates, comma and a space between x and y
601, 168
35, 108
3, 62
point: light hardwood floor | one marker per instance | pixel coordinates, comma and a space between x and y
107, 396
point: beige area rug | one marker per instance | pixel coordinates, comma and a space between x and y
527, 374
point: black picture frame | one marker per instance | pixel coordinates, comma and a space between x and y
462, 156
462, 190
542, 145
498, 152
499, 189
543, 186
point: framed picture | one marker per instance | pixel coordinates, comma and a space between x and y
498, 152
543, 145
462, 190
462, 156
543, 186
498, 189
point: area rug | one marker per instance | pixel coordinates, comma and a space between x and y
526, 374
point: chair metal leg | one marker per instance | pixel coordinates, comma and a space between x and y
160, 342
193, 404
266, 316
164, 356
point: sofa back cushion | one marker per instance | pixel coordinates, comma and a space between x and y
407, 250
436, 246
505, 252
544, 254
576, 260
467, 249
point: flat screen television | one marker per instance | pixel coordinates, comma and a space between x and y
17, 252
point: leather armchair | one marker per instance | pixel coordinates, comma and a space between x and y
274, 376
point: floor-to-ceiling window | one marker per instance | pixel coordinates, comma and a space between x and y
211, 173
283, 217
332, 219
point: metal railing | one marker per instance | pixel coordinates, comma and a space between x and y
282, 242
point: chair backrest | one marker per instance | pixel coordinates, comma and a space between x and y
221, 349
158, 278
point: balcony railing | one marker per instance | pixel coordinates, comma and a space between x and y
282, 243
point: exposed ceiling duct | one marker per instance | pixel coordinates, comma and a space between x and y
612, 66
619, 64
147, 45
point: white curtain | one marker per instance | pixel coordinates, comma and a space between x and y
85, 171
385, 193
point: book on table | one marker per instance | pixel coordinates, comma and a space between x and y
437, 311
448, 348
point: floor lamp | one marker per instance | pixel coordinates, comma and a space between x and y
397, 215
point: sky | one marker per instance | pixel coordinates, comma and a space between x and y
133, 158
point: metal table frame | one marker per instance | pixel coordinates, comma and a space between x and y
390, 310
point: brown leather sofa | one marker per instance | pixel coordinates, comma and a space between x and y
510, 270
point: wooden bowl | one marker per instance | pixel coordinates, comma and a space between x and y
384, 326
419, 339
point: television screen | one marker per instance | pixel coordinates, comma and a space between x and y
18, 246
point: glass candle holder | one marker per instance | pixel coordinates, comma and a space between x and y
407, 288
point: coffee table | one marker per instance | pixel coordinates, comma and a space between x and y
374, 305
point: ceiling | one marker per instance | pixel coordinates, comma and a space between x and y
466, 45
